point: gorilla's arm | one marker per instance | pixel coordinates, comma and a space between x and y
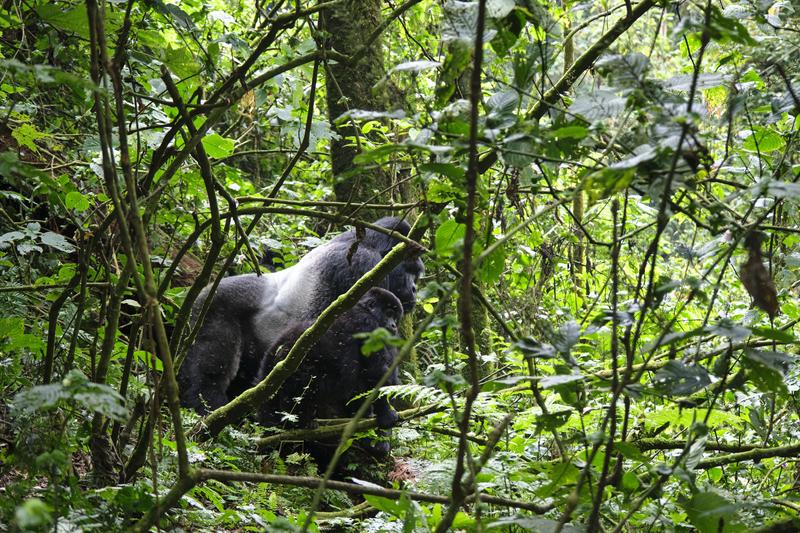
224, 343
249, 313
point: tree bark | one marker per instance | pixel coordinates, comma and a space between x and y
354, 86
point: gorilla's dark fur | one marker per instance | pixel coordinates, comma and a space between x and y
249, 313
334, 370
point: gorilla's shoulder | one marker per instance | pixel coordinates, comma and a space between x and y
376, 239
243, 292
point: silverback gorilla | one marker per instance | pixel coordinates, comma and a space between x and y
334, 370
249, 313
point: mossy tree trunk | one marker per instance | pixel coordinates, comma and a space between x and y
355, 85
359, 85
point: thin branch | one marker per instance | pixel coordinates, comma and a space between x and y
459, 488
356, 57
353, 488
789, 450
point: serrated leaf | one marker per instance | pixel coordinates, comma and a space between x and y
729, 329
567, 336
599, 104
74, 387
10, 237
503, 102
711, 513
679, 379
24, 248
532, 347
706, 80
780, 189
764, 140
774, 334
778, 361
26, 134
498, 9
643, 153
59, 242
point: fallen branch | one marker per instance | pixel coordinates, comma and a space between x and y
335, 430
353, 488
790, 450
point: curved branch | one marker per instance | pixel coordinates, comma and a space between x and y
790, 450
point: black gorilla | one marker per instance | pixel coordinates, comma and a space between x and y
249, 313
334, 370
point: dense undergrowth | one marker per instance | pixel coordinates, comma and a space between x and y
626, 360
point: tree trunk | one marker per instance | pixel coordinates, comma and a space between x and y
353, 86
357, 86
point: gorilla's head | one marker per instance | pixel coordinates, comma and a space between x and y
382, 242
383, 306
348, 246
402, 281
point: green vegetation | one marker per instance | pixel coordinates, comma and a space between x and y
606, 193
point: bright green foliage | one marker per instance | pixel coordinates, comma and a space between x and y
614, 221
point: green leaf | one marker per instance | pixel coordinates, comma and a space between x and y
767, 369
774, 334
567, 336
778, 361
378, 153
570, 132
217, 146
630, 451
723, 29
73, 20
77, 201
508, 31
609, 180
26, 134
554, 381
779, 189
375, 340
493, 266
386, 505
457, 59
528, 523
416, 66
630, 482
498, 9
75, 388
534, 348
33, 515
450, 237
679, 379
711, 513
454, 172
763, 140
59, 242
